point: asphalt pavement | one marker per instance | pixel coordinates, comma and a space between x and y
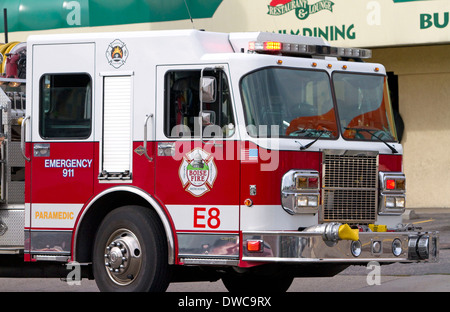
425, 220
397, 277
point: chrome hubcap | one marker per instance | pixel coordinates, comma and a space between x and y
123, 257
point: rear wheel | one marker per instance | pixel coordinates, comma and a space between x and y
130, 251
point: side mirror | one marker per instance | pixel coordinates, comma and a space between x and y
208, 89
208, 118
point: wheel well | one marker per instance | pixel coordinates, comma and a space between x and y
94, 216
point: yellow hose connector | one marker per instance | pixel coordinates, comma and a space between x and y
347, 233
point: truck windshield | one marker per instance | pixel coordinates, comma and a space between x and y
363, 106
289, 103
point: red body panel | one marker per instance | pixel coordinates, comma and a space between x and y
48, 182
161, 179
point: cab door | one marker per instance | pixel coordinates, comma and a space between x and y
196, 163
61, 151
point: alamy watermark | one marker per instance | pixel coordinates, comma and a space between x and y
374, 275
263, 147
73, 278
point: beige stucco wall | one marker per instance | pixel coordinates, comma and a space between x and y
424, 101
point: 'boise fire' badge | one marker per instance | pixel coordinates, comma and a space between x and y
198, 172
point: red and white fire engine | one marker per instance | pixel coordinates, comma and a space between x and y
155, 157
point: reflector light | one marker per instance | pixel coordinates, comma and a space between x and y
254, 246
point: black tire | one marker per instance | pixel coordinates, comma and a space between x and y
239, 283
130, 252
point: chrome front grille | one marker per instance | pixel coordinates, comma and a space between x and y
349, 186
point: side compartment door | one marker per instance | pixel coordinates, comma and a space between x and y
197, 174
62, 146
116, 146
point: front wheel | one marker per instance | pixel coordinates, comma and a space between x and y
130, 251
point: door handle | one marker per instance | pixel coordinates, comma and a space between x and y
145, 137
22, 137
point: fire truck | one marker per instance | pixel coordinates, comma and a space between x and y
166, 156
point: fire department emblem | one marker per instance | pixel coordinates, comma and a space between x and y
117, 53
197, 172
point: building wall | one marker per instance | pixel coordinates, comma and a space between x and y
424, 102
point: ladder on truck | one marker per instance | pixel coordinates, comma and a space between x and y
12, 164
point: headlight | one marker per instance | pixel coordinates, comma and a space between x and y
307, 201
389, 202
356, 248
300, 191
397, 247
400, 202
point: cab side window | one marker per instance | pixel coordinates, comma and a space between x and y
182, 106
65, 108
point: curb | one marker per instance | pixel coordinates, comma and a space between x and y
409, 214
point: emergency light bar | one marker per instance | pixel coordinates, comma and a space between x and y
307, 49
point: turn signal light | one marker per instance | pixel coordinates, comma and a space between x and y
390, 184
307, 182
395, 184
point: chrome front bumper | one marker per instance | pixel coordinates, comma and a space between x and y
297, 247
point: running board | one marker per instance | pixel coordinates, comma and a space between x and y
11, 250
209, 261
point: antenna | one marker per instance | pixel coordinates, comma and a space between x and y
5, 21
189, 12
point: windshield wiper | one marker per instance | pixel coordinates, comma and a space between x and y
369, 131
303, 147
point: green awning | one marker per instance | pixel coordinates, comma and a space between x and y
28, 15
397, 1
